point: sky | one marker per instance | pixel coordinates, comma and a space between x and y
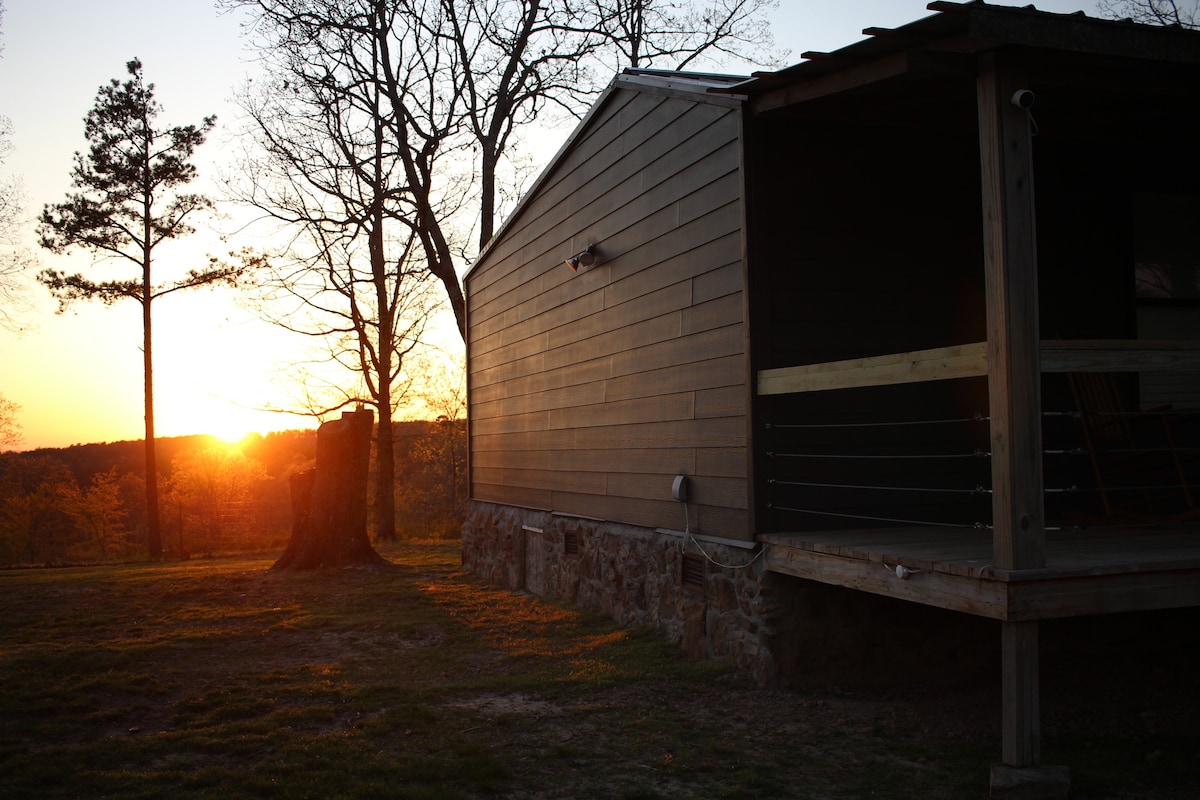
77, 376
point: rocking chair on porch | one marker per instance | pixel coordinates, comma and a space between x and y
1136, 462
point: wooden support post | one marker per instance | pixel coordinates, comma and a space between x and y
1021, 776
1013, 346
1021, 738
1014, 396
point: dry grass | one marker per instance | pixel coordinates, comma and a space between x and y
215, 678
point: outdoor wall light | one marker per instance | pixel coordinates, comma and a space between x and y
583, 259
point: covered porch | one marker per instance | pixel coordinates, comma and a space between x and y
937, 338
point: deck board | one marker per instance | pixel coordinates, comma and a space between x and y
1086, 572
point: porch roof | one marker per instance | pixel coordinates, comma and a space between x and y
950, 39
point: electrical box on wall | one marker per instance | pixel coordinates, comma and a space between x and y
679, 489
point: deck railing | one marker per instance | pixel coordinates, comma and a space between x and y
1101, 463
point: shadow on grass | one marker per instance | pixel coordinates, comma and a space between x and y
216, 679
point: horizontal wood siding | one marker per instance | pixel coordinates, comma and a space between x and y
591, 390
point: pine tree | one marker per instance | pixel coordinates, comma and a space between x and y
127, 203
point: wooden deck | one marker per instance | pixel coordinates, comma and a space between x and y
1095, 571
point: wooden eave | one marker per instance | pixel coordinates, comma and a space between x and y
1072, 33
853, 74
949, 40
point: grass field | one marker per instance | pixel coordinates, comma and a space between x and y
215, 678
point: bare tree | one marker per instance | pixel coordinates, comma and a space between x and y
128, 202
15, 259
10, 429
1184, 13
462, 76
352, 274
668, 34
512, 60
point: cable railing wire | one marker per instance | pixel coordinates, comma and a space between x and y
880, 456
1163, 412
894, 423
867, 517
978, 526
1128, 451
868, 487
781, 456
1168, 487
975, 454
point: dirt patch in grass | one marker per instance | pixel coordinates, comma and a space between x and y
216, 678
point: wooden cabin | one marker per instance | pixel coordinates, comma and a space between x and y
919, 317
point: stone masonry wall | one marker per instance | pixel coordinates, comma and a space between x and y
775, 629
636, 576
783, 631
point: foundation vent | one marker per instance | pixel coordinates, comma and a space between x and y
692, 571
571, 543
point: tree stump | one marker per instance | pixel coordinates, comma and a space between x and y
329, 503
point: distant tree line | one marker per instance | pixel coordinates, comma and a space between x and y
431, 478
86, 503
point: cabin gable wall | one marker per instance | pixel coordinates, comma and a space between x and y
590, 390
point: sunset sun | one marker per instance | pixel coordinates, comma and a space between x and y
232, 423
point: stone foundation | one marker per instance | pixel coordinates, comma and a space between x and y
787, 632
636, 576
776, 630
